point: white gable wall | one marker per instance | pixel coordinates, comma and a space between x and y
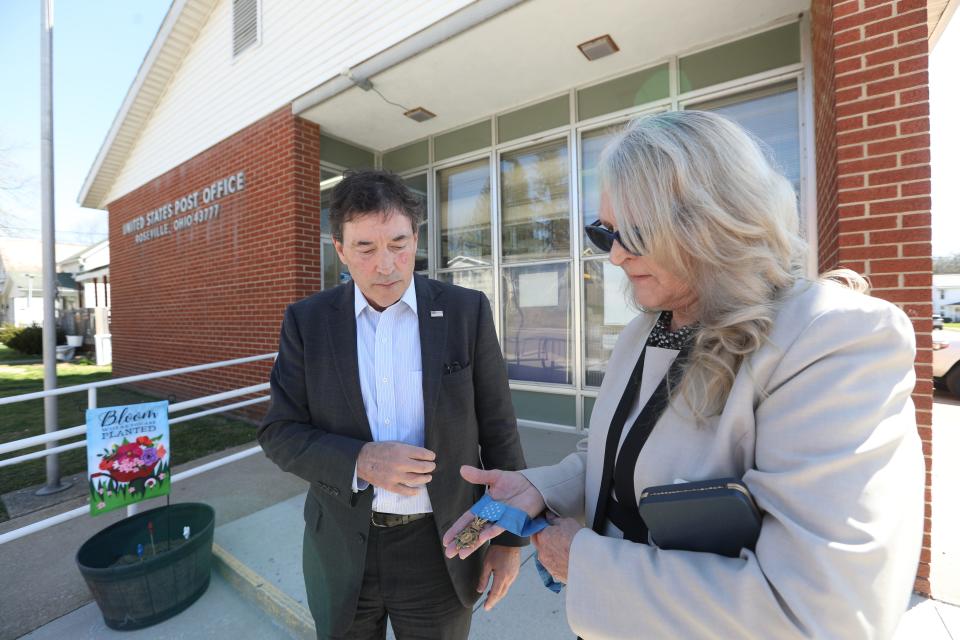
303, 44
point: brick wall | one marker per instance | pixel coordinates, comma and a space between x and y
217, 290
882, 145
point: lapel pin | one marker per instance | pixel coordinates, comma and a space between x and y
436, 314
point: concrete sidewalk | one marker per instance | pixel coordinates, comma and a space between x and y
39, 579
257, 590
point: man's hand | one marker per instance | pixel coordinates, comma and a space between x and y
504, 564
396, 466
553, 545
508, 487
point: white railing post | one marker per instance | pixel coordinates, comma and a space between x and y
92, 398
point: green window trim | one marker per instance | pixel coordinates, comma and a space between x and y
407, 157
344, 154
463, 140
772, 49
624, 92
542, 116
550, 408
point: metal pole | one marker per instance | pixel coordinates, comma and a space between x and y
47, 234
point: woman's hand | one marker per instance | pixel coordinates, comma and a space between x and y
508, 487
553, 545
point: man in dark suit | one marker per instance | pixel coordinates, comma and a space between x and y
384, 387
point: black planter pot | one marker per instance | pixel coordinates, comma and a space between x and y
137, 595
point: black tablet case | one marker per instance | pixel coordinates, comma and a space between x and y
714, 516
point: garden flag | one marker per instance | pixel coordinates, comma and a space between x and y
128, 455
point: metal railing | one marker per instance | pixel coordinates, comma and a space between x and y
91, 389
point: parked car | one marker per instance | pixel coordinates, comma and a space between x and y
946, 361
937, 321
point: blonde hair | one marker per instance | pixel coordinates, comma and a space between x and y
696, 193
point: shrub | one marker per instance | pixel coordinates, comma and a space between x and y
28, 340
8, 331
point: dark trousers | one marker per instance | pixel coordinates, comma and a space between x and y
406, 580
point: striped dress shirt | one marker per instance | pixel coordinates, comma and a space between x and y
391, 382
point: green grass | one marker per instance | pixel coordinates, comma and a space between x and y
188, 440
954, 326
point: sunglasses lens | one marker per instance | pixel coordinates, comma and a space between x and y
599, 236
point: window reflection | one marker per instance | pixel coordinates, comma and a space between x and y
606, 311
536, 208
592, 144
479, 279
418, 185
332, 271
773, 115
537, 323
464, 205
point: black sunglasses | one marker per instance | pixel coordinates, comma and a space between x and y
603, 238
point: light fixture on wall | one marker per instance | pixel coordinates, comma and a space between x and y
598, 47
419, 114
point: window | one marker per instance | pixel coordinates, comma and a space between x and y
246, 25
535, 209
773, 115
537, 332
464, 205
592, 144
606, 311
418, 185
333, 272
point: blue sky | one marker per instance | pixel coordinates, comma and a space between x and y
98, 48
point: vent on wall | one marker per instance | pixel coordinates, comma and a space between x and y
246, 31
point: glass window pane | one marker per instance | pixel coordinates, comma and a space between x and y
479, 279
606, 311
591, 144
328, 180
537, 335
536, 209
334, 271
773, 115
418, 185
588, 402
550, 408
464, 203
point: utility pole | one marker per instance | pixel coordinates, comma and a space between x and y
47, 228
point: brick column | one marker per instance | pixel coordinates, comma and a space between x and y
873, 169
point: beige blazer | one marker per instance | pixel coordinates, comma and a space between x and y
822, 430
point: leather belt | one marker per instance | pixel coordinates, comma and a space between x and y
378, 519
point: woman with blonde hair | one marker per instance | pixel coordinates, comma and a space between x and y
742, 368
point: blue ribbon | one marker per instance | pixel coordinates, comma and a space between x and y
518, 523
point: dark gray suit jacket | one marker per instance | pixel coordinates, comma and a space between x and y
316, 425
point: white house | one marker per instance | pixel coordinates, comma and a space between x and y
21, 281
946, 295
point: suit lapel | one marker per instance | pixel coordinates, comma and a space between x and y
433, 339
342, 330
